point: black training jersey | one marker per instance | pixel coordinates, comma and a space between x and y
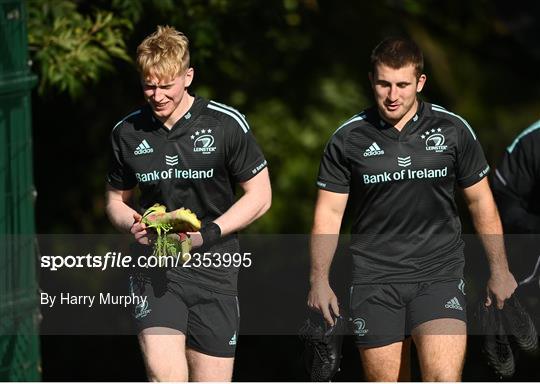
401, 192
194, 165
516, 183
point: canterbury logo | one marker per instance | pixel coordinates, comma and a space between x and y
143, 148
373, 150
461, 286
171, 160
454, 304
404, 161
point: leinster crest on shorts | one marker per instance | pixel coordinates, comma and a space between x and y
360, 327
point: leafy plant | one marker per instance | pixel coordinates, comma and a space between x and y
72, 49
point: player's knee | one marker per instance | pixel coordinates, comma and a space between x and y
381, 376
441, 376
165, 370
166, 375
400, 372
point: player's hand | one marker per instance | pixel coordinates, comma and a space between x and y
321, 298
138, 229
196, 239
500, 286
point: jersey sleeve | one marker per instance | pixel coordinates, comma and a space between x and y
119, 176
519, 167
334, 170
245, 158
515, 184
471, 161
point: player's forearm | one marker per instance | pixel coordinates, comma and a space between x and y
329, 211
488, 225
120, 214
495, 253
324, 241
323, 248
252, 205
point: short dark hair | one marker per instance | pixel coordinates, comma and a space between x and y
398, 52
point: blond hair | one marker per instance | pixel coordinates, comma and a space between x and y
164, 54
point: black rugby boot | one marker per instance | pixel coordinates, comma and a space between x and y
496, 346
322, 352
520, 325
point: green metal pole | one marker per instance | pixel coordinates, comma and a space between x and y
19, 342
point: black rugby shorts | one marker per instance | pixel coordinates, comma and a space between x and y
210, 320
383, 314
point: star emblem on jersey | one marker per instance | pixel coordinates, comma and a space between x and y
171, 160
373, 150
404, 161
143, 148
453, 304
434, 140
203, 141
360, 327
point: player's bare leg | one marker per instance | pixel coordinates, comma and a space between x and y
441, 348
164, 354
204, 367
387, 363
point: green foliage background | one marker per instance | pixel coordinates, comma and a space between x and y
296, 68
